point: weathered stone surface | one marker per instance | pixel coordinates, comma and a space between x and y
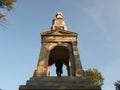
39, 83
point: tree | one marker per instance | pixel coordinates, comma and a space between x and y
117, 85
95, 76
5, 5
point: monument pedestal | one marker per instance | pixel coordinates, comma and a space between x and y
41, 83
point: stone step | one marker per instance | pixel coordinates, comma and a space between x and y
58, 80
37, 83
59, 87
61, 79
58, 83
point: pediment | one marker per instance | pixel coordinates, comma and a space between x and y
58, 32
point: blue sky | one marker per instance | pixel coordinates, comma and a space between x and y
96, 22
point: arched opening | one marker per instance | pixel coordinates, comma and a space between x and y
59, 53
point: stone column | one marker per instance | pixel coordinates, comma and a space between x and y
78, 65
42, 62
72, 64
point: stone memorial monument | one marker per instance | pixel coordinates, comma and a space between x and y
59, 47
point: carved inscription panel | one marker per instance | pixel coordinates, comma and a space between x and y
57, 38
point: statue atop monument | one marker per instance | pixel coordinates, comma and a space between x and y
59, 15
59, 22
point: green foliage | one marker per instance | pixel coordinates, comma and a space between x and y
95, 76
117, 85
2, 15
6, 5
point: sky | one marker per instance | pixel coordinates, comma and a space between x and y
97, 23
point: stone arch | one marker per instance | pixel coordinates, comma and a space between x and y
61, 53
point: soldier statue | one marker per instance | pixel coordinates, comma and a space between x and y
59, 66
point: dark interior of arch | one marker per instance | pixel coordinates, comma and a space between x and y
59, 53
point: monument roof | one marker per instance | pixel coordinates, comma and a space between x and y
59, 32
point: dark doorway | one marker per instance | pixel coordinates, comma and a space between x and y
59, 53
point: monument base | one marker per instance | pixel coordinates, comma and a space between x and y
41, 83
